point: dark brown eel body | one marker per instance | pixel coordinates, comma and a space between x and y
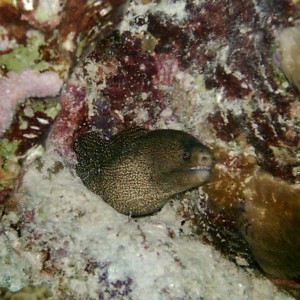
137, 171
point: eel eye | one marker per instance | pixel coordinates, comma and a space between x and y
185, 155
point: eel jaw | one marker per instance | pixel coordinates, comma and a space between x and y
197, 175
200, 168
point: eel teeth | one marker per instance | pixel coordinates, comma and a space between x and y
206, 168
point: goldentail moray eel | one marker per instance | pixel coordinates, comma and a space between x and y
138, 170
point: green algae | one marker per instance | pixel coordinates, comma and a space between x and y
9, 167
149, 42
41, 292
26, 56
7, 149
49, 106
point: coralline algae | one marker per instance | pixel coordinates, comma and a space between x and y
205, 67
51, 31
15, 88
40, 43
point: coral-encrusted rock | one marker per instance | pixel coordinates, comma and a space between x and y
53, 34
47, 35
61, 233
73, 112
15, 88
203, 66
40, 43
266, 211
208, 65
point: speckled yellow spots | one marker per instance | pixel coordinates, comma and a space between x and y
137, 171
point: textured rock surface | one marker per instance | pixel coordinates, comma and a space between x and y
64, 235
40, 43
44, 34
210, 68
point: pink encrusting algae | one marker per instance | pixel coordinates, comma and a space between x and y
73, 112
15, 88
